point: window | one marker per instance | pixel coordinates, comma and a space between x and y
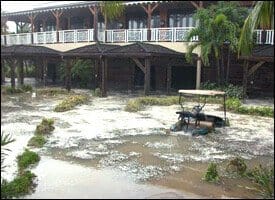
136, 23
181, 20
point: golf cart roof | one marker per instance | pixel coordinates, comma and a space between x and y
202, 92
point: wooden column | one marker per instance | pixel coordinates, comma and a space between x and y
197, 5
163, 16
168, 79
45, 63
245, 75
57, 15
69, 63
32, 18
147, 76
94, 11
21, 71
97, 76
198, 76
2, 71
149, 10
104, 77
12, 64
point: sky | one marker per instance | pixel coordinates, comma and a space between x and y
14, 6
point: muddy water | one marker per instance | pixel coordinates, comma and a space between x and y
101, 147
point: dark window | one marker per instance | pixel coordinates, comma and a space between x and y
181, 20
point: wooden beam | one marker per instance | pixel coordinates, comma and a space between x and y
196, 5
21, 72
44, 61
147, 76
139, 64
94, 11
168, 78
254, 68
104, 77
68, 73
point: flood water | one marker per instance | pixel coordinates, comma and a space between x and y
98, 150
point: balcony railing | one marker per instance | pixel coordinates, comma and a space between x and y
177, 34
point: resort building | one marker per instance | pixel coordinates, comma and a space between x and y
153, 33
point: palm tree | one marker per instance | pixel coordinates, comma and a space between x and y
111, 10
5, 139
262, 15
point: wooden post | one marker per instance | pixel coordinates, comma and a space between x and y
57, 15
44, 71
68, 74
131, 77
94, 11
31, 18
104, 77
147, 76
168, 78
149, 10
2, 71
97, 80
245, 75
21, 71
12, 65
198, 77
44, 24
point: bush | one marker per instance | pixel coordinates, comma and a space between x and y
230, 89
10, 90
26, 159
21, 185
37, 141
235, 105
79, 72
96, 92
211, 174
45, 127
52, 91
264, 177
135, 105
26, 88
70, 102
236, 165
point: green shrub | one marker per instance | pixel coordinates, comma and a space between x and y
137, 104
264, 177
10, 90
21, 185
45, 127
37, 141
26, 88
79, 72
132, 106
230, 89
233, 103
26, 159
236, 165
52, 91
70, 102
211, 174
96, 92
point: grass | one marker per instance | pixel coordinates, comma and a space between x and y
235, 105
70, 102
21, 185
37, 141
52, 91
236, 165
45, 127
137, 104
264, 177
211, 174
10, 90
26, 159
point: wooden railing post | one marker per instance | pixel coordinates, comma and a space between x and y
149, 10
57, 16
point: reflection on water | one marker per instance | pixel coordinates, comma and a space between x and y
113, 143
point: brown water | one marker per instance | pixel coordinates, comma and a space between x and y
100, 151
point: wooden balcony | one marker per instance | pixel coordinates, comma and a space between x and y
177, 34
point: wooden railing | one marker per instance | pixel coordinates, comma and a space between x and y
176, 34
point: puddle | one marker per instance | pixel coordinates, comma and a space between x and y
110, 153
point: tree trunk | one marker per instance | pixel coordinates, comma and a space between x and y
218, 71
222, 66
228, 63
